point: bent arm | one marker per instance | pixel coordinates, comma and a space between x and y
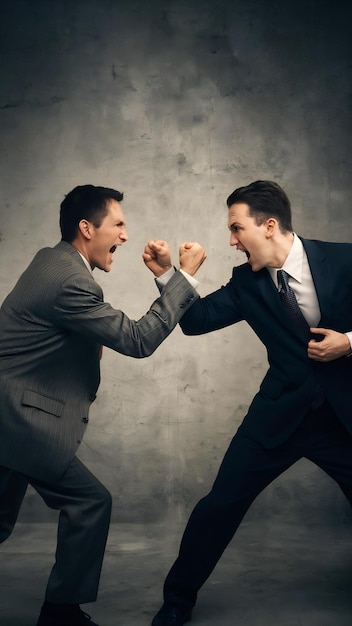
217, 310
80, 309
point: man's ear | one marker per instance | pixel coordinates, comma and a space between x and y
85, 228
271, 226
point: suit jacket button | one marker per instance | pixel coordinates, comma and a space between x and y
85, 420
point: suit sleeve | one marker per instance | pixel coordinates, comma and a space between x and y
79, 308
217, 310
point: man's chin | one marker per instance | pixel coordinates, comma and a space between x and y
256, 268
104, 268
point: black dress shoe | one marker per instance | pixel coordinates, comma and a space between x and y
63, 615
172, 616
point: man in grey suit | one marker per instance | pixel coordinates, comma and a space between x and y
52, 327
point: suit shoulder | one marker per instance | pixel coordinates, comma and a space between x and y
61, 259
330, 249
333, 246
51, 268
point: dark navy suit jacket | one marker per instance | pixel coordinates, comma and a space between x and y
288, 389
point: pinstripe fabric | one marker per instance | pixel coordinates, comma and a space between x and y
51, 327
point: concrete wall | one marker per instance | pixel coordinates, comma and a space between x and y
176, 103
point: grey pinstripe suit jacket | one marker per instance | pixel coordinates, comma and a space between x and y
51, 327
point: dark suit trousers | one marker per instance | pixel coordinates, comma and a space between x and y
245, 471
84, 506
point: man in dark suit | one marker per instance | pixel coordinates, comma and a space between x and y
52, 327
303, 315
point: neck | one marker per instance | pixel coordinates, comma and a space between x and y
282, 249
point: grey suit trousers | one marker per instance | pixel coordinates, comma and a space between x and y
84, 506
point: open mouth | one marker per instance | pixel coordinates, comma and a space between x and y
247, 254
112, 249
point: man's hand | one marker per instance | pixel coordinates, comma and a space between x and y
332, 346
192, 256
157, 256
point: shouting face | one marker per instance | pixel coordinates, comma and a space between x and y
104, 239
253, 239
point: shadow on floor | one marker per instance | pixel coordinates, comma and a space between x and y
289, 577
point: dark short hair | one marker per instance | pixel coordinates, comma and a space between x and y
85, 202
265, 199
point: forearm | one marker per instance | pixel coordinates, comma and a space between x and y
111, 327
140, 339
215, 311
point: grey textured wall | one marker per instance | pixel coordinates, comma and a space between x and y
176, 103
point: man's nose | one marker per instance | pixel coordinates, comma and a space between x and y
123, 235
233, 240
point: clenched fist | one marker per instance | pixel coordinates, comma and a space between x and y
157, 256
192, 255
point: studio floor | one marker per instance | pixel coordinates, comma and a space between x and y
286, 576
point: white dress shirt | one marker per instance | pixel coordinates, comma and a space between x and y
164, 278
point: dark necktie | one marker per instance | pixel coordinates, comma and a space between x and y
288, 299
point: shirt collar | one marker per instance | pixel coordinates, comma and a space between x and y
294, 261
85, 262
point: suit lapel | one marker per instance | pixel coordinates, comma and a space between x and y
322, 278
